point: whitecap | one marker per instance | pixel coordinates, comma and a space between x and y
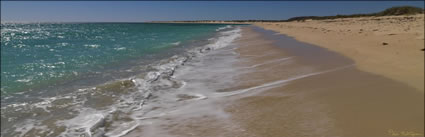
120, 48
23, 80
92, 45
176, 43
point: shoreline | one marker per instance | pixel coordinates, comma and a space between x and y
202, 22
285, 89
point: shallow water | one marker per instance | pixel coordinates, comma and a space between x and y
106, 76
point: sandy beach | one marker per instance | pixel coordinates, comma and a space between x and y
390, 46
337, 100
290, 88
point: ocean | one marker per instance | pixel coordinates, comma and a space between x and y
94, 79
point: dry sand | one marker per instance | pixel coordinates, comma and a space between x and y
389, 46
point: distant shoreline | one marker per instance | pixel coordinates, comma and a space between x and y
394, 11
203, 22
269, 21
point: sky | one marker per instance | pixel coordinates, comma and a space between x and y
141, 11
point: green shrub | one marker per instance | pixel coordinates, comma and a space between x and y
401, 10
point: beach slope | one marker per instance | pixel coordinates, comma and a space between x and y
391, 46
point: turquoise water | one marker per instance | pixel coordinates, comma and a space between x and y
100, 79
36, 56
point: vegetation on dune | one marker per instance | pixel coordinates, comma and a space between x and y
400, 10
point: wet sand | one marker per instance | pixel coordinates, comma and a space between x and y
291, 89
340, 102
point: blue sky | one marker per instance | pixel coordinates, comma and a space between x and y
139, 11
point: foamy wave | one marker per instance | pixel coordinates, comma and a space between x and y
86, 124
23, 80
120, 48
123, 129
225, 40
92, 45
222, 28
176, 43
